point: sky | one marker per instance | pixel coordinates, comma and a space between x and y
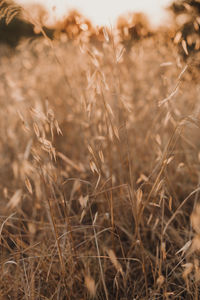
105, 12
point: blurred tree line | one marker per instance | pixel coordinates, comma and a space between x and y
185, 13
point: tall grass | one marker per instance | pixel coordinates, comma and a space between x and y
99, 171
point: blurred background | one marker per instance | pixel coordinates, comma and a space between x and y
179, 19
103, 12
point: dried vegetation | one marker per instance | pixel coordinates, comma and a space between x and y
99, 170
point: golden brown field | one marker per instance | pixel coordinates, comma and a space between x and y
99, 170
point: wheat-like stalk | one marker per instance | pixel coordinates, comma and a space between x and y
9, 10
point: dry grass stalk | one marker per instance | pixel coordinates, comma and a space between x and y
160, 280
188, 269
15, 199
131, 190
90, 285
9, 10
114, 261
195, 219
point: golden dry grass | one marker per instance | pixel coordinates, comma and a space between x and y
99, 171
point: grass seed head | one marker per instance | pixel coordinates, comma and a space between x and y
90, 285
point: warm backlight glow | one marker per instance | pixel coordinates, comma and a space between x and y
104, 12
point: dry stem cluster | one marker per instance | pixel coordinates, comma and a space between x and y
99, 171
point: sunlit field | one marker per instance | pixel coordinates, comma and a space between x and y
99, 169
